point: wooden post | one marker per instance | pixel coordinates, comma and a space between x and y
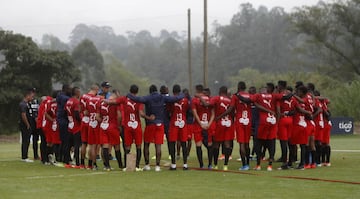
189, 52
205, 61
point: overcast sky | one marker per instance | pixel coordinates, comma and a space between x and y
58, 17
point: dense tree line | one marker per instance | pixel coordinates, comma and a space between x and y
321, 41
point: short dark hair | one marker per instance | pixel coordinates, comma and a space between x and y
152, 88
65, 87
176, 89
74, 90
241, 86
164, 89
282, 83
134, 89
223, 90
302, 89
311, 86
28, 91
199, 88
317, 93
298, 84
271, 86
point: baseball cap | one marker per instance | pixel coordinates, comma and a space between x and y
106, 84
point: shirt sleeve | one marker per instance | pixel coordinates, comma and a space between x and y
23, 108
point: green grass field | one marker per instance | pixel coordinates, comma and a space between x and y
33, 180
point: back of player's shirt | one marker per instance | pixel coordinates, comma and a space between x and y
92, 105
71, 106
131, 117
203, 112
178, 113
242, 110
83, 101
51, 110
109, 116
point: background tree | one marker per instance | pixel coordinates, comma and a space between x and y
90, 62
24, 65
332, 35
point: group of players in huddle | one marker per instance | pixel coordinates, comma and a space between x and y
93, 123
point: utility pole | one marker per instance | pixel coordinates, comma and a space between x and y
205, 61
189, 52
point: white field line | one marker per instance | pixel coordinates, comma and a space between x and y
62, 176
346, 151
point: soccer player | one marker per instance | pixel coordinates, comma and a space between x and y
299, 135
24, 124
63, 122
33, 110
178, 128
326, 150
319, 127
243, 120
85, 122
154, 131
189, 122
204, 117
224, 132
51, 129
285, 111
132, 123
39, 121
164, 90
266, 103
72, 108
92, 106
109, 130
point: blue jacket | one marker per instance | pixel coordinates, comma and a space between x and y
61, 115
154, 105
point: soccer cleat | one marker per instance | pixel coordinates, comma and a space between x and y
222, 157
307, 166
257, 168
51, 158
138, 169
225, 168
68, 166
76, 167
300, 167
244, 168
185, 167
27, 160
327, 164
210, 167
147, 168
216, 167
284, 167
95, 168
82, 166
47, 163
313, 166
107, 169
318, 165
157, 168
89, 167
172, 167
269, 168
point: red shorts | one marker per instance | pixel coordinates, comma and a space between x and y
154, 133
243, 133
299, 135
310, 128
319, 133
110, 136
326, 133
197, 132
223, 133
52, 137
178, 134
285, 128
84, 132
94, 135
267, 131
132, 135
